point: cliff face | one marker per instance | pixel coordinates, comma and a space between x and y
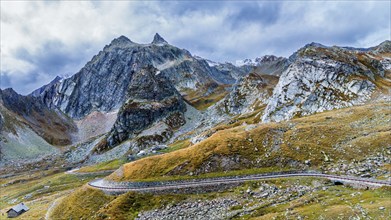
324, 78
151, 98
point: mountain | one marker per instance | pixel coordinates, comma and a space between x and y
323, 78
102, 84
131, 97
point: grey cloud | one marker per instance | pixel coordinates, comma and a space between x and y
264, 13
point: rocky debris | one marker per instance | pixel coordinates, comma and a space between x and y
209, 209
324, 78
372, 166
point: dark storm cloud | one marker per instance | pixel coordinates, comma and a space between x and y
40, 40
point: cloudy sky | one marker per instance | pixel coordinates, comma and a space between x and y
40, 40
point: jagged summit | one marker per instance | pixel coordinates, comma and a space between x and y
157, 39
120, 42
121, 39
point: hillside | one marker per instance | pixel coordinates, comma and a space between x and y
303, 143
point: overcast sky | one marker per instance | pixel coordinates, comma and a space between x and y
40, 40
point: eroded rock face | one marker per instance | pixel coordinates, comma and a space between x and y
150, 98
324, 78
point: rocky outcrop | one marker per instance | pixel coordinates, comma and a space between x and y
323, 78
102, 84
151, 98
249, 93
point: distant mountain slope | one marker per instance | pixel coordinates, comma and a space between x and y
323, 78
268, 64
29, 129
53, 126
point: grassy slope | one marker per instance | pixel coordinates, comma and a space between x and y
361, 130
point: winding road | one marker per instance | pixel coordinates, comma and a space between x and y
122, 187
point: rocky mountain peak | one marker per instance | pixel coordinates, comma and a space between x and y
157, 39
121, 39
120, 42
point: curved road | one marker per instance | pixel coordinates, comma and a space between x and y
121, 187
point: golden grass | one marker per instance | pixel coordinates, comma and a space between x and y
82, 204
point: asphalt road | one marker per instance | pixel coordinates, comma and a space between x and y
167, 185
